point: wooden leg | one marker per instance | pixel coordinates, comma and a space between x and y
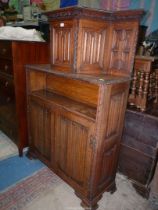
31, 155
91, 204
113, 189
94, 207
20, 152
88, 204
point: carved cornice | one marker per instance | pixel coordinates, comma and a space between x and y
83, 12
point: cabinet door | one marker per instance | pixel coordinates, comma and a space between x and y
123, 40
73, 152
62, 52
92, 46
41, 123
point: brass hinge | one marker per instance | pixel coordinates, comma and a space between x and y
93, 142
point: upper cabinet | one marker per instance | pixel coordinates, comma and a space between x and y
90, 41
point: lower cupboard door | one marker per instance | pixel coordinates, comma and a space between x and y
41, 123
73, 153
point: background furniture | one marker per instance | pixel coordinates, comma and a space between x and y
154, 186
139, 147
156, 85
76, 104
13, 56
144, 87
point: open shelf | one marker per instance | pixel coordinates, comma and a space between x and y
66, 103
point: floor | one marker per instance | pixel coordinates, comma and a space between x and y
7, 147
33, 186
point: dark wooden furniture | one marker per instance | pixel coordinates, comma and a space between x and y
154, 186
13, 56
144, 88
156, 85
76, 104
139, 147
2, 21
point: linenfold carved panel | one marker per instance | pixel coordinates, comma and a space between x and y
40, 134
93, 48
62, 46
71, 151
62, 49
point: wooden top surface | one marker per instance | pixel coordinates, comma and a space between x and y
95, 79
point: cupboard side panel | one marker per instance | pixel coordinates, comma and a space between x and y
110, 124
